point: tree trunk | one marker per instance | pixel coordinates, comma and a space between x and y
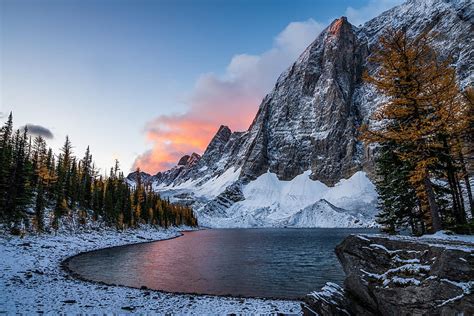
467, 183
434, 210
456, 192
462, 215
469, 193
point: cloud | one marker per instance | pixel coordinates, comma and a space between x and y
39, 131
231, 99
370, 10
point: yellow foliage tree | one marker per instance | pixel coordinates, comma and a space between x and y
425, 115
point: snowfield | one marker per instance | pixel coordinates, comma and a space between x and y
300, 202
33, 282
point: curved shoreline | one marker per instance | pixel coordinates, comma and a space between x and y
33, 280
64, 265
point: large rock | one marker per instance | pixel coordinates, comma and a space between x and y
405, 276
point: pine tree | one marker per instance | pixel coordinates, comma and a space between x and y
62, 190
6, 161
86, 176
40, 179
139, 197
19, 191
397, 200
74, 183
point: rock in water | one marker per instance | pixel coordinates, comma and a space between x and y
401, 276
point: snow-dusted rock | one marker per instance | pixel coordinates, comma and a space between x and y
330, 301
399, 275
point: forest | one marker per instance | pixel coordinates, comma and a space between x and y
39, 188
423, 138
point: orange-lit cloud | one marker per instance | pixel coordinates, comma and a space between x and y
231, 99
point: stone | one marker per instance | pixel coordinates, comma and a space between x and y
402, 276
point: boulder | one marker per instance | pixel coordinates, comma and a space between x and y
403, 276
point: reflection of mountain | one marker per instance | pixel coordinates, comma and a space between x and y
306, 128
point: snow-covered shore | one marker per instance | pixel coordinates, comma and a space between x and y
32, 280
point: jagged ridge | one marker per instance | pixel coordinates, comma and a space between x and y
310, 120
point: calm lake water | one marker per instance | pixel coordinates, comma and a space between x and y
277, 263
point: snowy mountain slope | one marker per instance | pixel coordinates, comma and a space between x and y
306, 128
300, 202
324, 214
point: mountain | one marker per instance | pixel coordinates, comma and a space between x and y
302, 144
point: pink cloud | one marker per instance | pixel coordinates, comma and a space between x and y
231, 99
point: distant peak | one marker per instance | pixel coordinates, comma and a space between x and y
194, 158
183, 160
338, 25
224, 128
134, 175
189, 160
222, 134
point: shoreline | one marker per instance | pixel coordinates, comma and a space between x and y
64, 265
36, 279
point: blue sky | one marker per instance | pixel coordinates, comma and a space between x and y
126, 76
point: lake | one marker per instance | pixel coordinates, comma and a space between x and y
270, 262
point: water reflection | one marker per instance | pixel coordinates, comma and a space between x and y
283, 263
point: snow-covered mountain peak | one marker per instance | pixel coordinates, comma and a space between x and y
305, 133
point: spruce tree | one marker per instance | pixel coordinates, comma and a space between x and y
19, 190
397, 199
86, 176
6, 161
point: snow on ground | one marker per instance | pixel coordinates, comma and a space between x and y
300, 202
32, 281
440, 239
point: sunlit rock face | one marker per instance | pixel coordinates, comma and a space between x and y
310, 120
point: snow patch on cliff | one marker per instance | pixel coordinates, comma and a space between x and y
208, 189
300, 202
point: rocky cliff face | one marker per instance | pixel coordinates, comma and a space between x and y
400, 276
310, 120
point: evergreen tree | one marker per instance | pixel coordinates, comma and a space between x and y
6, 161
397, 200
86, 178
139, 198
40, 179
19, 191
